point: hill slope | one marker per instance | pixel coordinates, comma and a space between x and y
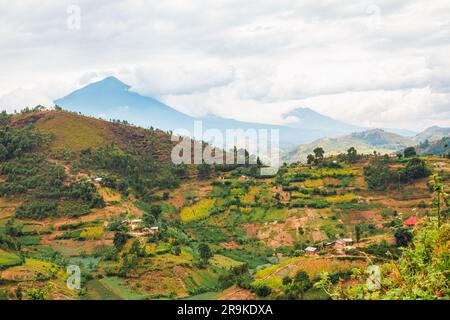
73, 132
365, 142
432, 134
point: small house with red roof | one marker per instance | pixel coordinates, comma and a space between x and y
411, 221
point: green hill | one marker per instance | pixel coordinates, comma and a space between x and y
439, 147
365, 142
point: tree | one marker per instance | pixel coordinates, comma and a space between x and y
409, 152
286, 280
416, 168
151, 217
300, 284
120, 239
352, 155
205, 252
319, 153
12, 229
421, 272
403, 237
377, 175
261, 290
441, 197
358, 232
277, 198
204, 170
155, 210
310, 159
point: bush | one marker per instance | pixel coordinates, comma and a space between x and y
261, 290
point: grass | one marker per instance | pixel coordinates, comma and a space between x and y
29, 240
345, 198
262, 215
253, 259
92, 233
73, 132
8, 259
198, 211
204, 296
98, 291
109, 195
224, 262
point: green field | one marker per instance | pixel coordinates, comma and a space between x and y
8, 259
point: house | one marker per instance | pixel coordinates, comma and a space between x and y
243, 178
328, 245
133, 224
311, 250
345, 242
411, 221
348, 241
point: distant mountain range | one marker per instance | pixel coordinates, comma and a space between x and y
112, 99
373, 140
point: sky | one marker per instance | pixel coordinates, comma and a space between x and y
369, 63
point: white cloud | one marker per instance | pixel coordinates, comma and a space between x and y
19, 99
378, 63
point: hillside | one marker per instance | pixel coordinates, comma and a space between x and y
432, 134
365, 142
73, 132
142, 228
439, 147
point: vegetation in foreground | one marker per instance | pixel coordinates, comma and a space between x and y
141, 228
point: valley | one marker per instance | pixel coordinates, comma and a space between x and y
104, 196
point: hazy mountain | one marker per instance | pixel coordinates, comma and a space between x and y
110, 98
402, 132
308, 119
432, 134
365, 142
438, 147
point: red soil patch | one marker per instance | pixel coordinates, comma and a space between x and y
231, 245
367, 216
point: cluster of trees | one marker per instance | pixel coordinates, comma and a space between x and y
379, 176
317, 157
139, 171
17, 141
351, 156
26, 172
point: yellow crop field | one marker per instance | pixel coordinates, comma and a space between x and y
198, 211
109, 195
345, 198
92, 233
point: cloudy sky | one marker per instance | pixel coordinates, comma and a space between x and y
370, 63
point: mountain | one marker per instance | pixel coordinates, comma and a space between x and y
432, 134
308, 119
402, 132
110, 98
365, 142
438, 147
